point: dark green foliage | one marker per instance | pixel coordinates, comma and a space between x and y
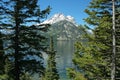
75, 75
117, 26
2, 57
26, 76
24, 41
51, 72
9, 69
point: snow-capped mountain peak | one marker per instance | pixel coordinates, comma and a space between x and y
59, 17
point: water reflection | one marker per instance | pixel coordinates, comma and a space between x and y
64, 54
65, 50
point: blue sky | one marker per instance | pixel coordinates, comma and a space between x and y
75, 8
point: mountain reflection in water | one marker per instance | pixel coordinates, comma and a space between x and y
65, 50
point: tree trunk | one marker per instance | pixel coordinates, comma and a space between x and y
17, 69
114, 45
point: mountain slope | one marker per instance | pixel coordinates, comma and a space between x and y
63, 27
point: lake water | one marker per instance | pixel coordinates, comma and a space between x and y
65, 50
64, 54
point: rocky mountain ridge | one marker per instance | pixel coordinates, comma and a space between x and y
63, 27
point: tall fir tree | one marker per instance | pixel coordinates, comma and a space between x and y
26, 40
94, 53
104, 32
88, 59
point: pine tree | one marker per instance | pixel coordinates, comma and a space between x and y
51, 72
93, 53
26, 41
88, 59
104, 31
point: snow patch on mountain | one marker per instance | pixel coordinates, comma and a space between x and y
59, 17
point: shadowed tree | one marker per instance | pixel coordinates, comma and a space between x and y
2, 56
26, 41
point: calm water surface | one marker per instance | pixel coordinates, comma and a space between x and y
64, 54
65, 50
